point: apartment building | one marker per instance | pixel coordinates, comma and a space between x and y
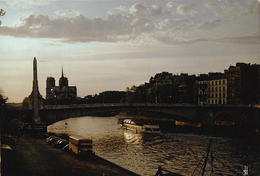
217, 91
243, 84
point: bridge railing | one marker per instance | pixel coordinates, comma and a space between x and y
139, 104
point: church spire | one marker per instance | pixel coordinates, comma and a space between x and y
63, 80
62, 71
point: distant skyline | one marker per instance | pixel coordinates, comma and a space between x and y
113, 44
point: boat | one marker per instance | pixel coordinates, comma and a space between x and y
140, 127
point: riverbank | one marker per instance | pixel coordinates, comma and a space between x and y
34, 157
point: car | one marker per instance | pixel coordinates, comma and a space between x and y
7, 159
52, 139
60, 143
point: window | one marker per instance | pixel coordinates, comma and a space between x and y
224, 101
212, 95
219, 82
223, 88
219, 95
219, 88
223, 81
216, 101
224, 95
216, 83
209, 96
212, 89
216, 95
216, 89
212, 102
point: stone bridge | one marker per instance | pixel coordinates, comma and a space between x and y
206, 115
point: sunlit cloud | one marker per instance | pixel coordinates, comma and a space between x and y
182, 9
115, 28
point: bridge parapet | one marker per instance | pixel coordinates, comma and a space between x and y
142, 104
182, 112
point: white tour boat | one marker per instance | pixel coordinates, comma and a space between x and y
140, 128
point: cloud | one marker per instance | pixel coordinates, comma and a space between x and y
156, 10
133, 25
180, 31
252, 8
247, 39
182, 26
208, 25
25, 4
116, 27
171, 7
138, 10
67, 13
183, 9
142, 11
210, 5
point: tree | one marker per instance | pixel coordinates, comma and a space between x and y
2, 13
3, 99
26, 103
3, 114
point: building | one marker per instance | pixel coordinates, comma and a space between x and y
217, 91
243, 84
186, 88
211, 88
202, 87
63, 91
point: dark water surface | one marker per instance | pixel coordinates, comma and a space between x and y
176, 152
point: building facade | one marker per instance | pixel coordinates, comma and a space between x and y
243, 84
217, 91
202, 88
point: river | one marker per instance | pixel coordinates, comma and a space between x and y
175, 152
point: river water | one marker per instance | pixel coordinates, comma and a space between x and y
175, 152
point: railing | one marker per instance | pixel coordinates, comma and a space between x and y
71, 106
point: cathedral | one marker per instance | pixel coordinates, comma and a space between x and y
63, 91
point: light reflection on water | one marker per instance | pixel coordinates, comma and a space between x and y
143, 153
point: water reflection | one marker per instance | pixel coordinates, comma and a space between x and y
133, 138
143, 153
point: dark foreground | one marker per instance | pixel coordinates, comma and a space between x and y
34, 157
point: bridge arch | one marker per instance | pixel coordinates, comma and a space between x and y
186, 113
224, 116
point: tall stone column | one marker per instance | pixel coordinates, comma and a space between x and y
35, 95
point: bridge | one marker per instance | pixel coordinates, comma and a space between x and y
206, 114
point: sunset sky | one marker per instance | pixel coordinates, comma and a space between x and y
113, 44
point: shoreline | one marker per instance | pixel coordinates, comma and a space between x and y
33, 156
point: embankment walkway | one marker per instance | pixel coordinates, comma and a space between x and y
34, 157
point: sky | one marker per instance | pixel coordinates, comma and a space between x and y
107, 45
